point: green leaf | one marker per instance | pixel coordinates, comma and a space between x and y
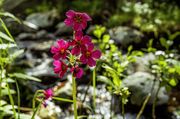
106, 38
130, 48
24, 76
173, 82
9, 80
6, 46
5, 37
117, 81
173, 36
6, 29
164, 42
3, 102
17, 53
105, 80
82, 117
109, 68
4, 91
7, 14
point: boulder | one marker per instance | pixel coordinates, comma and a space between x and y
140, 85
63, 29
42, 20
125, 35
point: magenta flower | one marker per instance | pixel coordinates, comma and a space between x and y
77, 71
77, 20
60, 51
88, 56
48, 94
80, 43
60, 68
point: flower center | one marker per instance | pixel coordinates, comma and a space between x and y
78, 18
63, 67
79, 42
62, 51
88, 54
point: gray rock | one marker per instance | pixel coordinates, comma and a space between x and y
141, 63
63, 29
41, 35
25, 36
43, 69
12, 4
42, 20
140, 85
37, 46
91, 29
125, 35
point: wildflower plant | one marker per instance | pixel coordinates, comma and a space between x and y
69, 55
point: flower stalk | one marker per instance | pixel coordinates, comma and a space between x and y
94, 88
74, 97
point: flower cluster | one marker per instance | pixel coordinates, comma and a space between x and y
48, 94
80, 50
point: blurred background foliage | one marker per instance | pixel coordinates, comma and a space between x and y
139, 40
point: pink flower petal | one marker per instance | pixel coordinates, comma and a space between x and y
61, 43
68, 22
78, 35
77, 27
56, 63
54, 49
79, 73
96, 54
48, 93
70, 13
83, 49
90, 46
83, 24
86, 17
72, 69
75, 50
83, 59
56, 56
91, 62
86, 39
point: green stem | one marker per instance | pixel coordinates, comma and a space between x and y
74, 97
19, 103
155, 101
62, 99
36, 110
143, 106
1, 84
34, 99
123, 114
94, 88
11, 99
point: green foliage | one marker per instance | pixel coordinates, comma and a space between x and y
42, 7
148, 16
8, 53
166, 69
114, 63
92, 7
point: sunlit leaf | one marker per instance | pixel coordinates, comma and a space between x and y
24, 76
7, 14
6, 46
4, 91
6, 29
17, 53
105, 80
5, 37
173, 82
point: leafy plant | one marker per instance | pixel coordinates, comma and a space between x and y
115, 64
8, 53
